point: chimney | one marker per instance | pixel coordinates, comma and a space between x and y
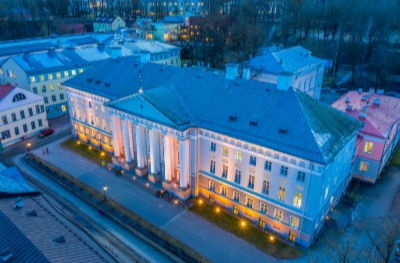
144, 57
347, 100
377, 102
380, 91
359, 90
116, 52
349, 108
362, 115
246, 73
231, 71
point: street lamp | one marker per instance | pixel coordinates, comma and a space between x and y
28, 145
104, 191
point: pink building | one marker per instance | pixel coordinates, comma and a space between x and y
381, 132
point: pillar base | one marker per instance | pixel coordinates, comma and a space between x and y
173, 187
141, 171
154, 178
129, 166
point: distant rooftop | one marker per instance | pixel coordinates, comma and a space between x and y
377, 111
290, 60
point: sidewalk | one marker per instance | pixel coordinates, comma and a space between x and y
209, 240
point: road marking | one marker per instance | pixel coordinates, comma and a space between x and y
173, 219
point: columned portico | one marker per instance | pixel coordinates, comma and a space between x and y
141, 169
168, 158
184, 163
127, 146
154, 175
115, 137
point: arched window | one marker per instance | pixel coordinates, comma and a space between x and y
18, 97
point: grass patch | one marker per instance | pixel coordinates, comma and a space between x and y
246, 231
86, 151
396, 157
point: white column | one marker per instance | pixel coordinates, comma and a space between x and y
115, 136
168, 158
127, 146
140, 146
154, 152
184, 163
131, 140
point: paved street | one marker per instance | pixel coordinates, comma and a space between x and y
215, 243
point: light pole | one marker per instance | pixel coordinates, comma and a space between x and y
104, 191
28, 145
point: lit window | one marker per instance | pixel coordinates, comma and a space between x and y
267, 166
368, 147
225, 151
213, 146
80, 70
50, 76
297, 199
59, 86
102, 108
73, 72
97, 121
104, 125
32, 79
278, 214
41, 77
238, 156
294, 222
363, 167
281, 193
63, 108
66, 74
106, 139
251, 182
58, 75
51, 86
237, 176
326, 192
263, 208
249, 202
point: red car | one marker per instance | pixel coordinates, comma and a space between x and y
46, 132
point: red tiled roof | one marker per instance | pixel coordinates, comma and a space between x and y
4, 90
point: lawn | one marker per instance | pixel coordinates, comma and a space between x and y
244, 230
396, 157
87, 151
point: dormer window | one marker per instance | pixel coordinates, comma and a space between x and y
19, 97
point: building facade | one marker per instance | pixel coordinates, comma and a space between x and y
381, 133
22, 115
281, 167
293, 67
108, 24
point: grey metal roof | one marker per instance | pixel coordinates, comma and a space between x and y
21, 247
290, 60
286, 121
117, 78
19, 49
11, 182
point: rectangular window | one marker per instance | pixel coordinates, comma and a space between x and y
46, 100
90, 104
25, 128
66, 74
37, 109
253, 160
50, 76
249, 202
52, 87
294, 222
104, 125
58, 75
225, 171
63, 108
301, 176
102, 108
97, 121
41, 108
4, 118
33, 125
61, 96
281, 193
251, 182
213, 146
225, 151
34, 90
238, 156
73, 72
211, 185
223, 190
368, 147
236, 195
80, 70
297, 199
40, 122
267, 166
22, 113
265, 187
363, 167
16, 130
5, 134
263, 207
53, 98
30, 111
33, 80
238, 174
284, 170
43, 88
13, 117
212, 166
278, 214
59, 86
41, 77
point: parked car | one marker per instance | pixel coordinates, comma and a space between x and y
349, 201
46, 132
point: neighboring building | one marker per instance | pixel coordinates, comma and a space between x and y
110, 80
104, 23
31, 230
143, 28
168, 28
156, 9
381, 132
278, 157
22, 115
294, 67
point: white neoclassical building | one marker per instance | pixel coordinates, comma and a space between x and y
277, 157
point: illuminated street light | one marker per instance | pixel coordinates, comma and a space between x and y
243, 224
217, 210
104, 191
28, 145
200, 202
271, 238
